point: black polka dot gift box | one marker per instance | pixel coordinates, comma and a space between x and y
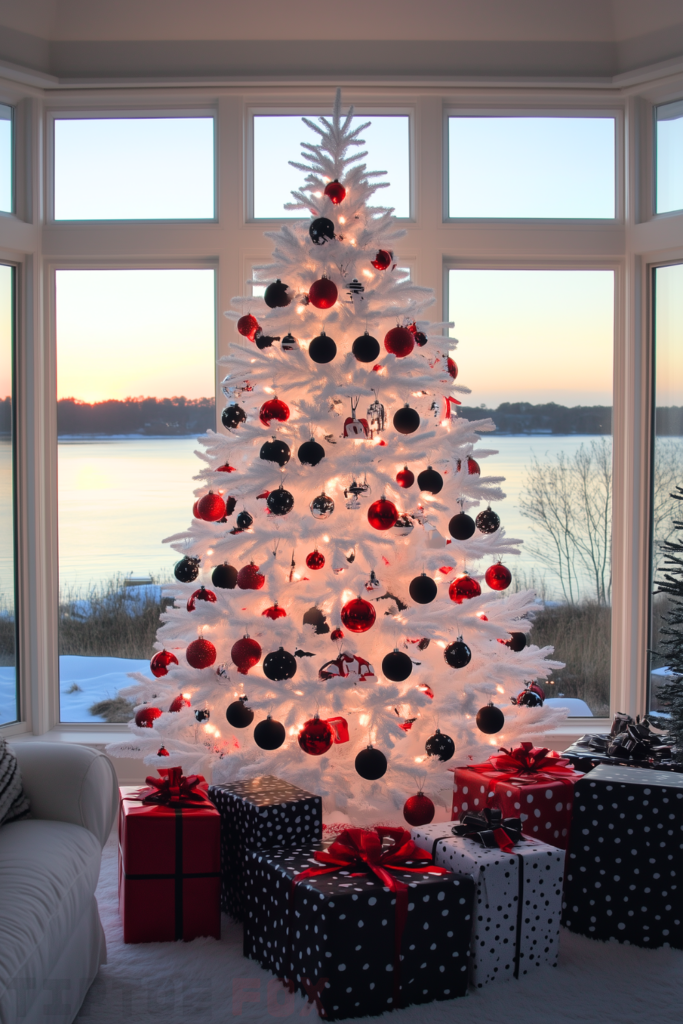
361, 925
531, 783
518, 902
624, 878
260, 814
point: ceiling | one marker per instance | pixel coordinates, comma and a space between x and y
134, 39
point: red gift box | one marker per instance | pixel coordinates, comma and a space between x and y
531, 783
169, 863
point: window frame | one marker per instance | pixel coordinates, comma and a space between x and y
655, 157
13, 161
323, 110
82, 113
615, 112
14, 349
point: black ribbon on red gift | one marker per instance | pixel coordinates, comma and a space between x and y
489, 828
379, 851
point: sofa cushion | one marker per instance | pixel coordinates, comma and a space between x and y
48, 874
13, 802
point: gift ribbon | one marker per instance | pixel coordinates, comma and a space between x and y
173, 789
527, 765
357, 849
490, 829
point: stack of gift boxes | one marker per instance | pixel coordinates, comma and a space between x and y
369, 920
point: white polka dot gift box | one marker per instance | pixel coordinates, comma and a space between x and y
625, 863
531, 783
362, 925
259, 814
518, 900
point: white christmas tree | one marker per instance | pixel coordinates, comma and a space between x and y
350, 608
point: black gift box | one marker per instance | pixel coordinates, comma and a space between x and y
260, 814
341, 952
624, 878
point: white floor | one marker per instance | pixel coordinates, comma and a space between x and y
209, 981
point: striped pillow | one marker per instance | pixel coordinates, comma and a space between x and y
13, 803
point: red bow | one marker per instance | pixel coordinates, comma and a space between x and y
173, 789
536, 763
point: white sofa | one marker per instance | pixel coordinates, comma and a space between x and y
51, 938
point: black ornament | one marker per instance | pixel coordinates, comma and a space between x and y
280, 502
420, 338
229, 508
264, 340
289, 342
224, 576
457, 654
187, 569
397, 666
244, 520
490, 719
310, 453
488, 521
315, 617
517, 642
322, 349
202, 714
365, 348
276, 295
275, 451
321, 507
232, 416
429, 480
279, 665
406, 420
269, 735
528, 699
422, 589
461, 527
371, 764
320, 230
440, 745
239, 716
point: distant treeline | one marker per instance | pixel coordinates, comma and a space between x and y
158, 416
525, 418
153, 416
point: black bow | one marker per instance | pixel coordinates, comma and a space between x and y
482, 825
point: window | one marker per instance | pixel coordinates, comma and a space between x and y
134, 168
553, 167
669, 143
9, 708
277, 140
6, 188
134, 389
536, 348
667, 448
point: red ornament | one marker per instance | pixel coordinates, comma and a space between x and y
273, 409
246, 653
463, 588
200, 653
275, 612
201, 595
337, 634
211, 508
226, 468
400, 341
160, 662
382, 260
473, 467
144, 717
323, 293
195, 509
249, 578
179, 702
335, 191
315, 560
163, 752
358, 615
418, 810
452, 367
315, 736
405, 477
498, 577
382, 514
248, 326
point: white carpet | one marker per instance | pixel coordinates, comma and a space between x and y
209, 981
